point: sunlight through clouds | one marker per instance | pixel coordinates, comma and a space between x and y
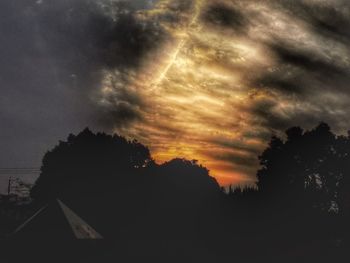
202, 79
212, 90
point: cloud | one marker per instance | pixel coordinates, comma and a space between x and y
247, 70
55, 55
210, 80
328, 18
223, 15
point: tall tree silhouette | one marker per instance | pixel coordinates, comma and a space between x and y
304, 170
343, 166
74, 164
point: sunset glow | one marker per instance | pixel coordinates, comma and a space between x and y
203, 89
195, 93
210, 80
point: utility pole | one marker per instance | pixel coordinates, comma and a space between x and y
9, 186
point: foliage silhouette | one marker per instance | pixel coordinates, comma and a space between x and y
306, 170
298, 210
301, 202
88, 157
115, 185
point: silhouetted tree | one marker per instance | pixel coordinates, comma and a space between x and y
343, 167
114, 184
304, 170
189, 176
75, 164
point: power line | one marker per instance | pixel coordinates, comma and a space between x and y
19, 171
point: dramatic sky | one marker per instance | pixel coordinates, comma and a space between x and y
203, 79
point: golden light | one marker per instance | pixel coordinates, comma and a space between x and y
195, 91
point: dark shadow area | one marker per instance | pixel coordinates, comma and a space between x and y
102, 198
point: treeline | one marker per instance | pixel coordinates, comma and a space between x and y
298, 209
302, 198
115, 183
307, 170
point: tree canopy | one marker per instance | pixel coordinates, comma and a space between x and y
308, 169
90, 162
85, 157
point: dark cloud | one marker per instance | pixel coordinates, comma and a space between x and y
328, 19
258, 133
266, 115
306, 60
65, 65
280, 79
273, 118
309, 80
86, 38
237, 144
120, 107
119, 115
242, 162
222, 15
53, 56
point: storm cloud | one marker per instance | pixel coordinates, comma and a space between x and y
206, 80
54, 56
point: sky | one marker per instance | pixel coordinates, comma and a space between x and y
210, 80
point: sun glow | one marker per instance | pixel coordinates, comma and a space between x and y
196, 90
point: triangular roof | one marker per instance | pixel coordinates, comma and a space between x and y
56, 221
